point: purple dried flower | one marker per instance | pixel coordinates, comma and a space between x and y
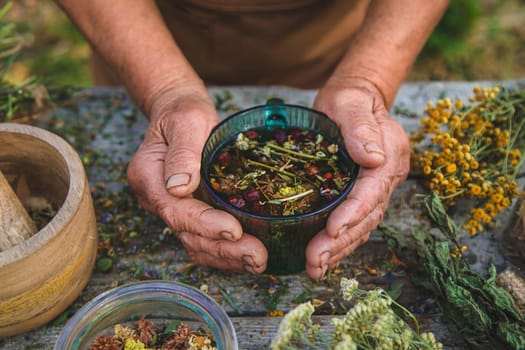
237, 201
252, 195
280, 135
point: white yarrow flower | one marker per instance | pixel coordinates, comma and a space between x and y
293, 324
348, 286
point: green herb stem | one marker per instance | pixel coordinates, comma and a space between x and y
289, 151
291, 198
269, 167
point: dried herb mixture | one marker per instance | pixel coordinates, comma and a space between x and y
280, 172
147, 336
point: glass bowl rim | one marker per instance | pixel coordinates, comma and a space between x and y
206, 305
232, 208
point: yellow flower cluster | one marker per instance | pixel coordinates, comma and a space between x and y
473, 151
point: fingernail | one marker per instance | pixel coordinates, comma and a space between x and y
227, 235
249, 264
178, 180
324, 258
374, 148
324, 268
248, 259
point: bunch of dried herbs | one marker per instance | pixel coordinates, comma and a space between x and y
485, 313
279, 172
144, 335
375, 321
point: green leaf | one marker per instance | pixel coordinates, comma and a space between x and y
392, 237
301, 298
230, 300
395, 291
5, 9
512, 334
462, 305
437, 213
104, 264
171, 326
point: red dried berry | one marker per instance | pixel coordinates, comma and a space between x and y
296, 133
252, 134
310, 135
224, 158
313, 170
328, 175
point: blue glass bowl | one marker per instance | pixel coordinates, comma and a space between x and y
285, 237
158, 301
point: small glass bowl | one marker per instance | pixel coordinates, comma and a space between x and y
156, 301
285, 237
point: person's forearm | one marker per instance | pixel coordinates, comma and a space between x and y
131, 36
391, 37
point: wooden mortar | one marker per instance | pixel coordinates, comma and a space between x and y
41, 276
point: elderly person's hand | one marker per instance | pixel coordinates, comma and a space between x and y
165, 171
380, 146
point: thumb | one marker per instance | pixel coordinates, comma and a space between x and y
359, 113
185, 137
363, 138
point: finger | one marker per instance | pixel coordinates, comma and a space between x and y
247, 254
374, 186
324, 252
184, 135
181, 214
324, 249
372, 190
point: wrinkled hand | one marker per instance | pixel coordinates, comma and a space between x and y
165, 171
380, 146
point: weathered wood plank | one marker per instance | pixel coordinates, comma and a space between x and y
95, 112
254, 333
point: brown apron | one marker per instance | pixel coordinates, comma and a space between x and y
259, 42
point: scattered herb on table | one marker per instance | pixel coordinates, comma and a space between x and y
224, 101
279, 173
144, 335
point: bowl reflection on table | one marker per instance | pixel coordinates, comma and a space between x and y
154, 300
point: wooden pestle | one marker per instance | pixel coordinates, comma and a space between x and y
15, 223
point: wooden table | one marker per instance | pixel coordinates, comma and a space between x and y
105, 128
